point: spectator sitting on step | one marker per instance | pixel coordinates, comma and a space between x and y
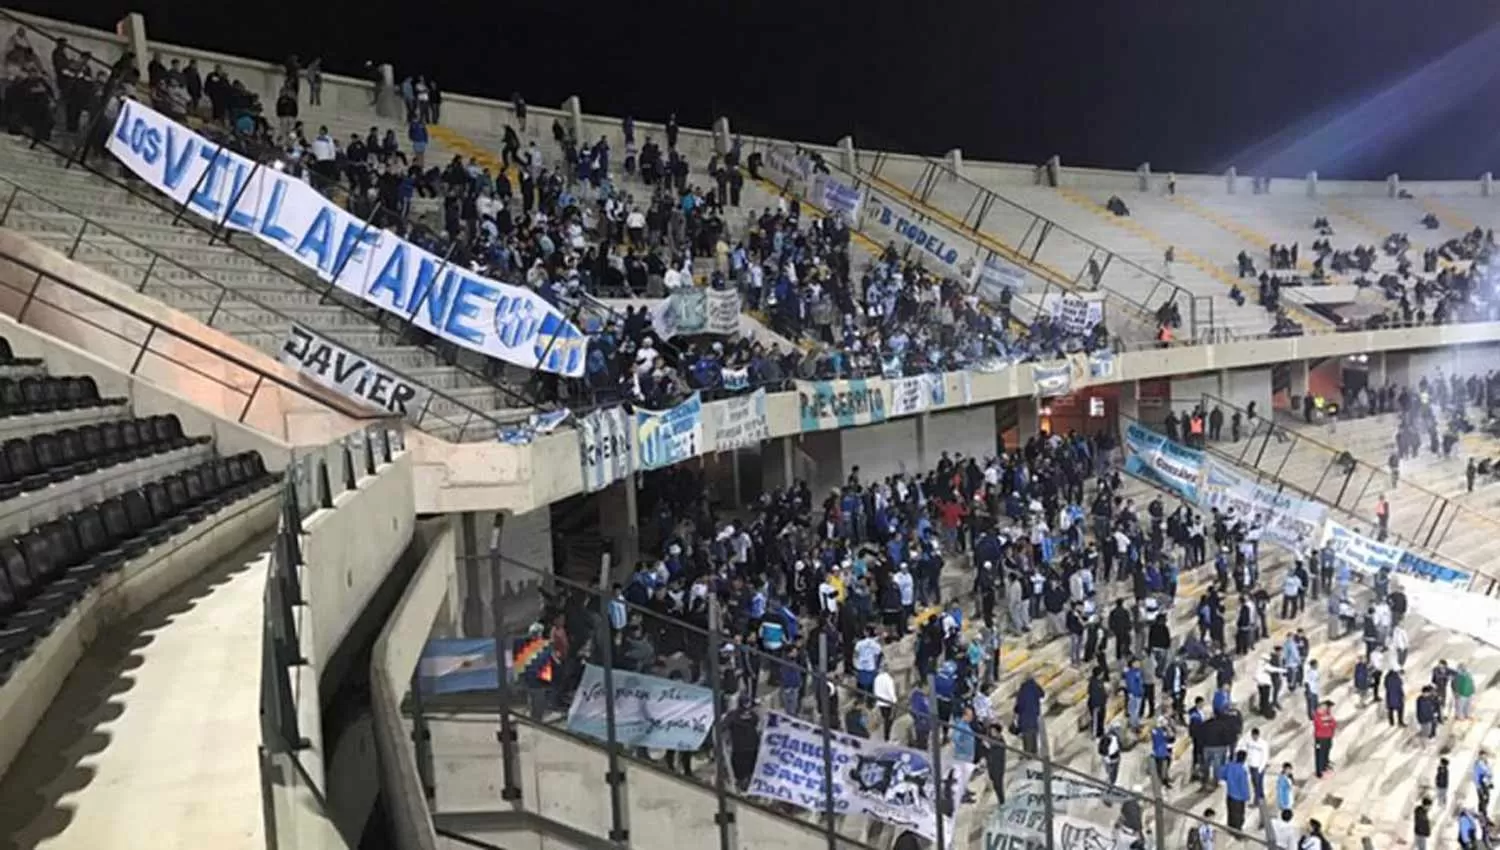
1117, 206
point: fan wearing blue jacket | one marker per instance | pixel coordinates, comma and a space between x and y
1237, 789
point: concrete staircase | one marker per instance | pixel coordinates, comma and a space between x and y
135, 241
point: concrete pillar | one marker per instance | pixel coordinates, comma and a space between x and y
1485, 180
1393, 185
133, 27
847, 158
1301, 374
388, 101
1377, 369
1028, 418
475, 537
721, 135
1130, 401
922, 421
618, 521
573, 109
1312, 184
1230, 178
1143, 176
955, 159
1054, 171
734, 470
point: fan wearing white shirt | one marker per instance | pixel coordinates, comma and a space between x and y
885, 699
1257, 756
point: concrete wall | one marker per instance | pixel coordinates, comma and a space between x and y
879, 451
1242, 386
1465, 360
349, 550
971, 432
392, 663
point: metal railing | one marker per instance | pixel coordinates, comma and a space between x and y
1036, 241
1349, 485
290, 794
157, 351
1025, 305
231, 309
1042, 794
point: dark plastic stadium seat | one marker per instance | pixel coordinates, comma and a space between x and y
9, 358
117, 523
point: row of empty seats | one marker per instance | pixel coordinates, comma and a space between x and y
47, 570
47, 394
31, 463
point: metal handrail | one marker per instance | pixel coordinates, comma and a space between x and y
157, 327
224, 291
880, 157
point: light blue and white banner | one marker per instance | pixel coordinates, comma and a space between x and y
650, 712
891, 784
665, 437
787, 163
1157, 459
737, 379
1073, 313
1361, 554
833, 195
841, 404
1367, 556
522, 433
997, 275
1102, 364
741, 422
1415, 565
495, 319
453, 666
916, 394
1291, 521
606, 448
1052, 380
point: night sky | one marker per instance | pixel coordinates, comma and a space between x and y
1351, 88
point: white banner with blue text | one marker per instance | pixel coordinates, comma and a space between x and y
928, 241
606, 445
1291, 521
741, 422
1073, 313
892, 784
834, 196
650, 712
665, 437
495, 319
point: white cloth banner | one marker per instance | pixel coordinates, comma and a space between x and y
886, 782
723, 312
787, 164
1361, 554
606, 441
496, 319
1288, 520
917, 393
1474, 614
998, 274
742, 422
1074, 313
650, 711
832, 196
1053, 380
665, 437
333, 366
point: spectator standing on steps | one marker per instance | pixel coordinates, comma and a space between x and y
1324, 727
1237, 790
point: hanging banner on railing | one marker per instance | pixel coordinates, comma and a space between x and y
1366, 555
998, 275
1157, 459
1052, 379
1073, 313
1473, 614
931, 243
832, 195
736, 379
891, 784
697, 311
665, 437
1102, 364
785, 163
742, 422
841, 404
606, 446
723, 312
1286, 519
331, 365
916, 393
522, 433
496, 319
650, 712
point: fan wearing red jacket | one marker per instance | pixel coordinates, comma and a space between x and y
1323, 728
